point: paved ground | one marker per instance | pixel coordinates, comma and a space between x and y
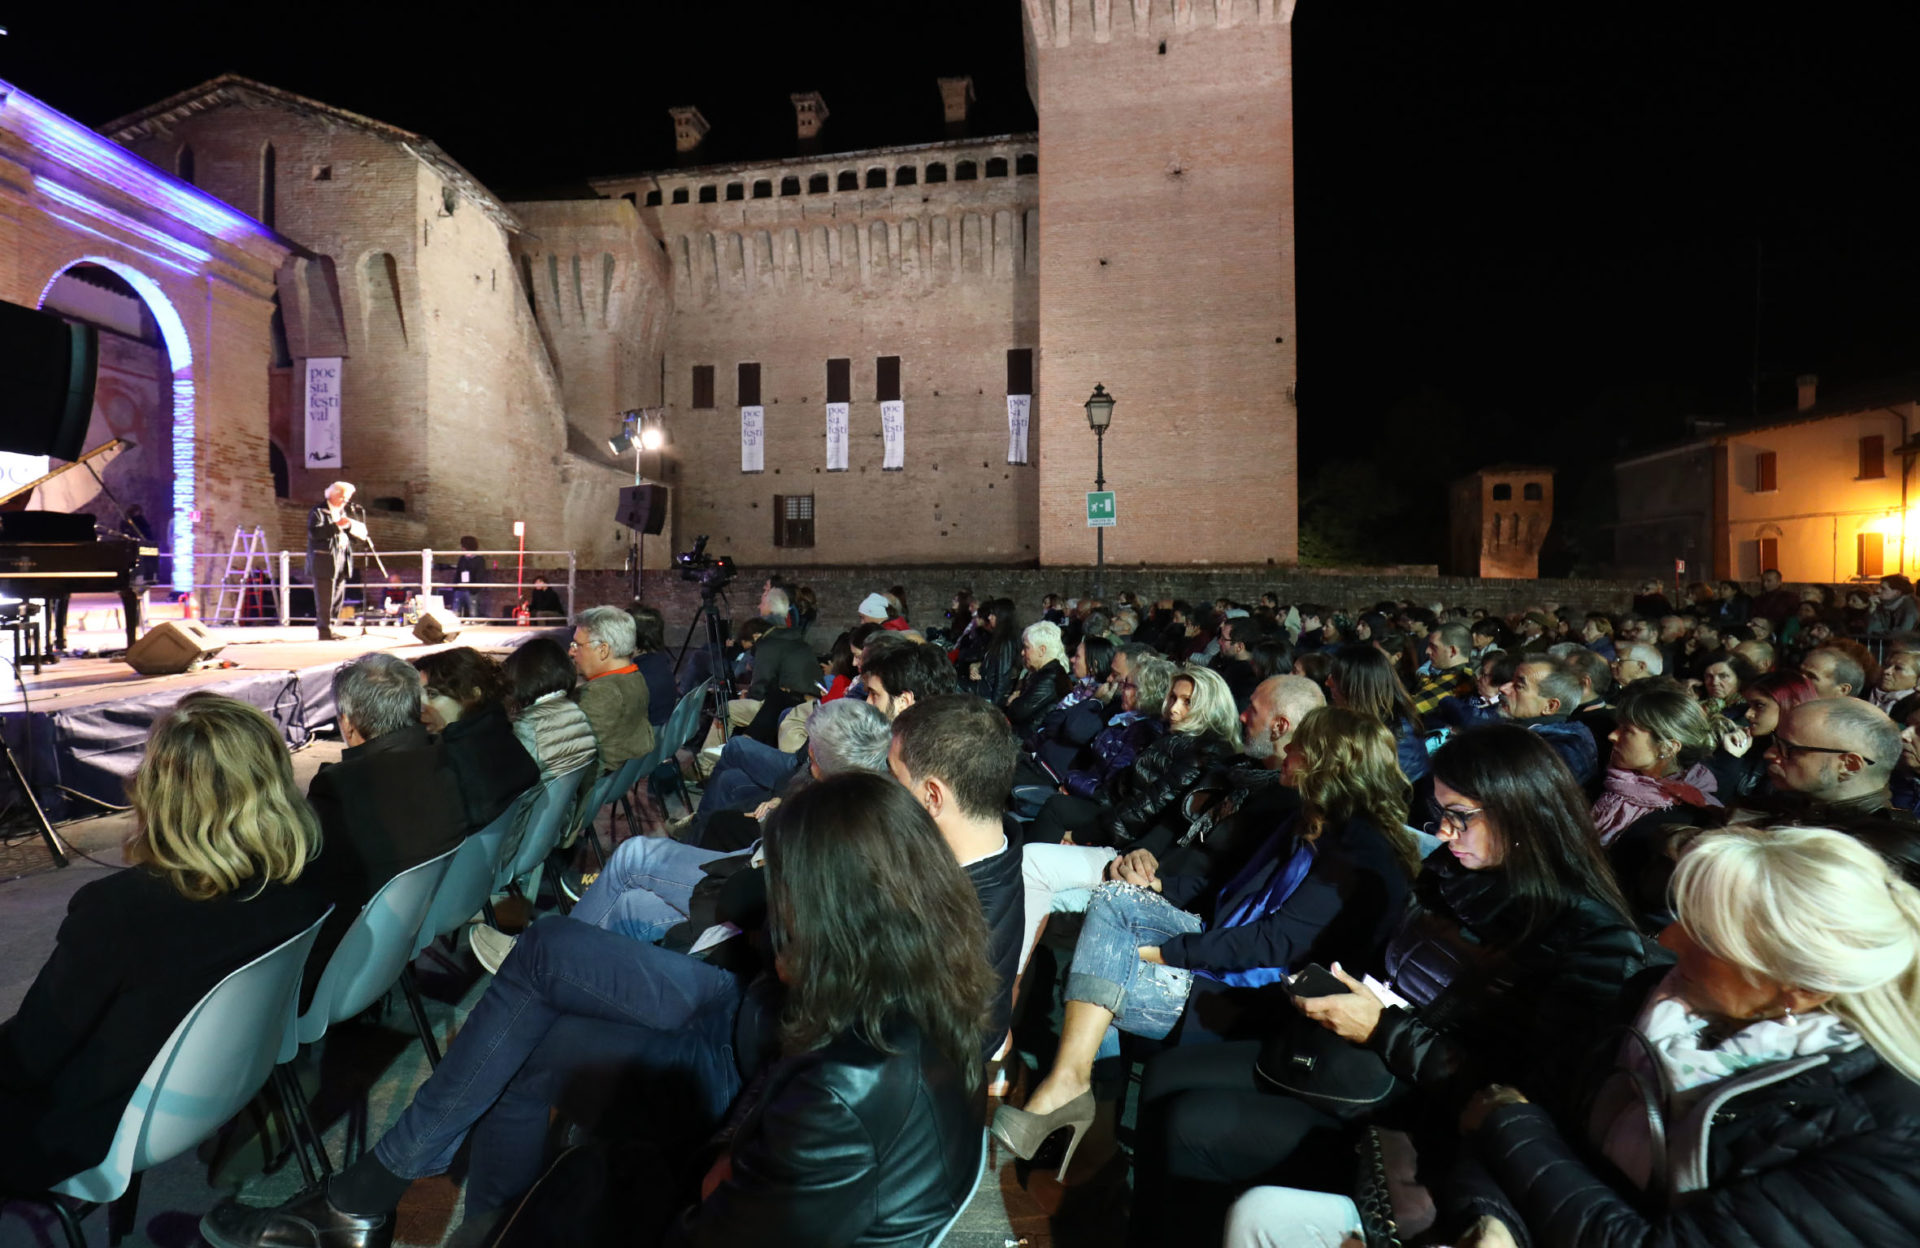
369, 1070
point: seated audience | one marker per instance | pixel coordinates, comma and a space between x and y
786, 672
655, 663
1043, 679
1789, 1020
1595, 675
464, 701
1904, 787
1517, 939
391, 802
999, 665
1898, 677
1722, 682
1540, 699
1234, 659
220, 839
1840, 669
1327, 886
612, 693
1741, 760
1895, 610
1638, 660
1060, 740
548, 723
1364, 681
1449, 653
1658, 766
864, 1129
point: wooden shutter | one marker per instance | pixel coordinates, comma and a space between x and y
702, 385
1769, 554
779, 519
748, 384
1873, 549
839, 381
886, 378
1763, 472
1873, 457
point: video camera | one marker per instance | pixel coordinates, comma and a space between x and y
712, 573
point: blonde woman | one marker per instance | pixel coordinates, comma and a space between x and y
1327, 887
1043, 678
1790, 1026
221, 836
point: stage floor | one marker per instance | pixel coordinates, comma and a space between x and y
79, 726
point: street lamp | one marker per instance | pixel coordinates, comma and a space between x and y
1099, 416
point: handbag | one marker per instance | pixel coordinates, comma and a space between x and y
1373, 1195
1306, 1061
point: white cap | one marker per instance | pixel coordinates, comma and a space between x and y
874, 607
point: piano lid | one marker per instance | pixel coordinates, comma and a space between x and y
64, 489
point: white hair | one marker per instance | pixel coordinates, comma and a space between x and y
1641, 652
345, 487
1813, 909
611, 625
778, 605
847, 734
1045, 636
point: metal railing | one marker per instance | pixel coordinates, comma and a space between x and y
281, 582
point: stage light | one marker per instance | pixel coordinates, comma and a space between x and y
620, 443
652, 438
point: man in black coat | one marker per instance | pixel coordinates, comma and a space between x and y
330, 530
390, 803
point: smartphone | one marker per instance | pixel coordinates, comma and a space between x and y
1314, 980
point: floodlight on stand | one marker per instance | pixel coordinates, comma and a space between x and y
620, 443
652, 438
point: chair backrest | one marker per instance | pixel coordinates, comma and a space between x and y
680, 725
375, 949
210, 1067
546, 820
469, 878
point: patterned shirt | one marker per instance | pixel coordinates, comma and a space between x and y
1447, 683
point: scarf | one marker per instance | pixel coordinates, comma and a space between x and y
1628, 795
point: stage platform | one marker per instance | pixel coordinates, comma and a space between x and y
78, 728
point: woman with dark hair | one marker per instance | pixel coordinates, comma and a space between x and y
1327, 886
1363, 680
863, 1127
1076, 719
1516, 940
539, 676
1741, 762
1315, 665
841, 669
1000, 663
1904, 787
651, 657
464, 700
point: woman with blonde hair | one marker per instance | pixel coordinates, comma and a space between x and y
1790, 1026
1043, 678
1328, 886
221, 835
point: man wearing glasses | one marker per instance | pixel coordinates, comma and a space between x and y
612, 692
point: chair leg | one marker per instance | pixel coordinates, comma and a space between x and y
124, 1214
411, 986
301, 1127
69, 1222
493, 920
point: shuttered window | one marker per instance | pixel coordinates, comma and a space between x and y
1763, 472
793, 519
1873, 458
703, 385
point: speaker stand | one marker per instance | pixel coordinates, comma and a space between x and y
55, 847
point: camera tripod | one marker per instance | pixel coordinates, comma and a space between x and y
720, 691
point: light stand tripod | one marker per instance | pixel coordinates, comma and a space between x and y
721, 688
55, 846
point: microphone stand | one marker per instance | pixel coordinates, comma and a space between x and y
359, 513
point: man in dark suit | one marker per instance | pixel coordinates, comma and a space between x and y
390, 803
330, 530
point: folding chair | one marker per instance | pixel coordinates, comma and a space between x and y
674, 734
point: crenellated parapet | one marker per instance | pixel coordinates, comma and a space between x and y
1062, 23
920, 216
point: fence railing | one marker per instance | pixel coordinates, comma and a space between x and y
269, 598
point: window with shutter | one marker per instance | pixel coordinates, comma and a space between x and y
703, 385
886, 378
1764, 479
792, 520
1873, 549
1873, 458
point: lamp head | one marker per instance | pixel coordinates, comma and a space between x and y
1099, 409
651, 438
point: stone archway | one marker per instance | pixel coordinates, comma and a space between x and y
179, 349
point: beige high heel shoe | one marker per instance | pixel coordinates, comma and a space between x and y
1023, 1133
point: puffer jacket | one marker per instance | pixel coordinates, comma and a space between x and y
1811, 1152
556, 732
1491, 1001
1060, 739
1035, 694
1158, 779
1114, 750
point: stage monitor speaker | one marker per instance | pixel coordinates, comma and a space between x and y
173, 647
47, 370
437, 624
643, 508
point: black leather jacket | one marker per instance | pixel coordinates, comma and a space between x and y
1804, 1153
848, 1145
1158, 779
1490, 1005
1035, 694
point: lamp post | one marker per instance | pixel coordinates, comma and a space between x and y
1099, 416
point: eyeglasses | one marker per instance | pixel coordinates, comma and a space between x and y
1452, 820
1788, 749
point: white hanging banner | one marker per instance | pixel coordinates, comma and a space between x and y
836, 437
1018, 408
753, 439
323, 413
893, 429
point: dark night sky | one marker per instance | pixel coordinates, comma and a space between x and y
1517, 234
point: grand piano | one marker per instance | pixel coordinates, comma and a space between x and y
53, 555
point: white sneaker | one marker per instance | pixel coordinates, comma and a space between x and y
490, 946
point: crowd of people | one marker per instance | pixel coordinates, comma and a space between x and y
1574, 927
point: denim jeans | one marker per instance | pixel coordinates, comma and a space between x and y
569, 997
748, 773
1145, 999
645, 888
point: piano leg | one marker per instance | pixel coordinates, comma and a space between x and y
130, 601
57, 626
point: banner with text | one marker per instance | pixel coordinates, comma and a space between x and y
1018, 407
753, 439
323, 413
836, 437
893, 428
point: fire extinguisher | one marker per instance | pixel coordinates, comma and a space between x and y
521, 615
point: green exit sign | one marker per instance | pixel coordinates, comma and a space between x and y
1100, 509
